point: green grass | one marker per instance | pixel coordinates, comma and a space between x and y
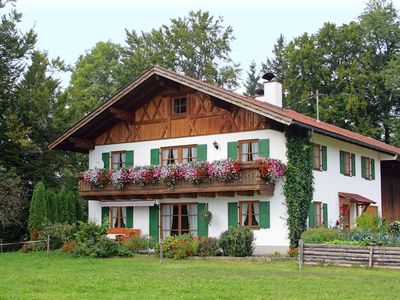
59, 276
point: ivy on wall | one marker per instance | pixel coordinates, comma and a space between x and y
299, 184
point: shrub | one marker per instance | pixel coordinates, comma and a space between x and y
365, 237
59, 234
293, 252
90, 231
38, 208
103, 247
138, 244
179, 247
208, 247
372, 222
394, 228
237, 241
319, 235
68, 246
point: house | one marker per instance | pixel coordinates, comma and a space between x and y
166, 118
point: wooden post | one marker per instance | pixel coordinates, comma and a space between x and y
48, 244
301, 254
1, 245
371, 253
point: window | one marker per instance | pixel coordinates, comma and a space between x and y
318, 214
178, 218
347, 163
118, 160
179, 106
317, 157
248, 150
249, 214
178, 155
117, 217
367, 168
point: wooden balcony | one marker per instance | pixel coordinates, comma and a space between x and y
248, 184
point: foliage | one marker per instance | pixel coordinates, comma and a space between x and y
90, 231
299, 182
270, 169
52, 209
252, 83
59, 234
394, 228
139, 244
179, 247
100, 248
12, 202
293, 252
224, 170
373, 222
237, 241
365, 237
198, 46
278, 64
208, 247
320, 235
38, 208
353, 66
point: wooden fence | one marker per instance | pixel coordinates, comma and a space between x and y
46, 242
346, 255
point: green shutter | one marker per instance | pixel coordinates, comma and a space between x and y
154, 219
233, 150
324, 158
353, 164
263, 147
129, 158
106, 159
311, 215
202, 152
232, 214
312, 156
373, 169
129, 217
265, 215
341, 162
105, 212
155, 157
325, 214
202, 224
363, 167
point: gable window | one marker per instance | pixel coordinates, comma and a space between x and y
248, 150
118, 159
249, 214
118, 217
178, 155
347, 163
367, 168
179, 106
178, 218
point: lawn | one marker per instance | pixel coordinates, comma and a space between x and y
59, 276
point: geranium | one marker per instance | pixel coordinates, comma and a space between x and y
97, 177
224, 170
270, 169
120, 178
195, 172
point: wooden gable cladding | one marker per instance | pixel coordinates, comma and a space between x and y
205, 115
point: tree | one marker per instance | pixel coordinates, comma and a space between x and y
277, 65
198, 46
352, 67
12, 204
251, 83
38, 208
70, 208
96, 77
52, 211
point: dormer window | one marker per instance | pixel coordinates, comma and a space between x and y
179, 106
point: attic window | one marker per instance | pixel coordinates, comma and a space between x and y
179, 106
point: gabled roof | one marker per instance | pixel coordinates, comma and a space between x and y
284, 116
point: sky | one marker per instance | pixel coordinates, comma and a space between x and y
68, 28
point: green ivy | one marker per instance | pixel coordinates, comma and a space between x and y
299, 183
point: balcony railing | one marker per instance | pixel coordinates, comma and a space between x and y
248, 184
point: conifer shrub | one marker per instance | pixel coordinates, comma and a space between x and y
237, 241
38, 208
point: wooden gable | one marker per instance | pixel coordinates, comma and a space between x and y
205, 115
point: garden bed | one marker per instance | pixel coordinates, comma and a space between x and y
347, 255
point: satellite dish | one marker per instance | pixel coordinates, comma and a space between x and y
268, 76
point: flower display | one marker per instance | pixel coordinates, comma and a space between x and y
97, 177
270, 169
194, 173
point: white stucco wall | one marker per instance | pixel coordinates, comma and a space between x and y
329, 183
